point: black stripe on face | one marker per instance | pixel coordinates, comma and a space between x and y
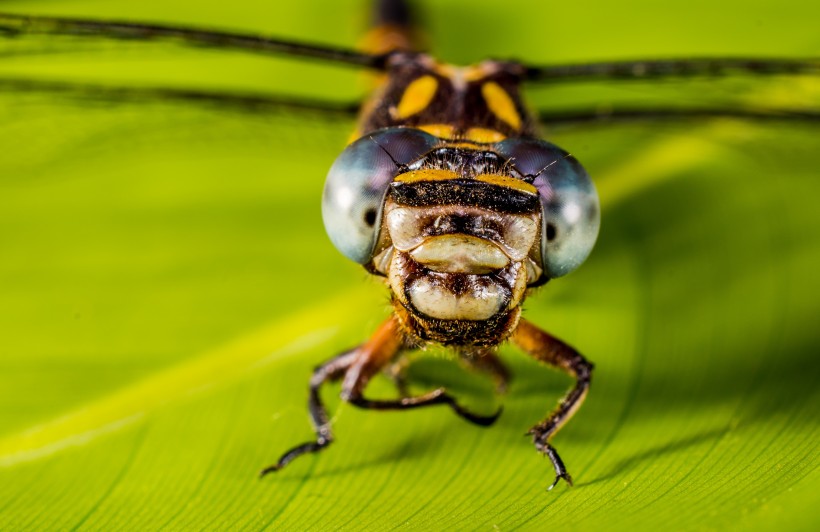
466, 192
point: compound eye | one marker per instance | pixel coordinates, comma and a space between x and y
358, 181
569, 202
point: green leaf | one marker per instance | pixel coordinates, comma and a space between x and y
167, 288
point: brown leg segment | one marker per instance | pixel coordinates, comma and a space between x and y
373, 356
554, 352
358, 366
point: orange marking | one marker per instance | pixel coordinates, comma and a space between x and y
470, 139
387, 38
445, 70
442, 131
501, 104
474, 73
372, 356
417, 96
506, 181
465, 144
484, 135
466, 74
427, 174
439, 174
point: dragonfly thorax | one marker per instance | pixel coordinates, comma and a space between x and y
480, 102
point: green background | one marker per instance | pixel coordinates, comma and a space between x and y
166, 287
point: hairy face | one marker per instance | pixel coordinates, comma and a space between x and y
460, 228
458, 264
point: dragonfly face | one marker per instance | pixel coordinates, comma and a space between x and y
460, 230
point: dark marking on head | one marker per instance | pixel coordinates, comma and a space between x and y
466, 192
370, 217
551, 232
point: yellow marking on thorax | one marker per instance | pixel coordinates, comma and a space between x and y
474, 135
501, 104
506, 181
464, 74
442, 131
464, 145
417, 96
427, 174
484, 135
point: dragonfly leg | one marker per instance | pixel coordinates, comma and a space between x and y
358, 366
373, 356
554, 352
331, 370
396, 371
486, 361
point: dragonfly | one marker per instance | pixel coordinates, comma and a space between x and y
446, 191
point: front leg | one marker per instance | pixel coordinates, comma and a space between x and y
375, 355
358, 366
554, 352
331, 370
485, 360
380, 349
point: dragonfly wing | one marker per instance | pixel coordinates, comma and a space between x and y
619, 115
12, 25
241, 101
671, 68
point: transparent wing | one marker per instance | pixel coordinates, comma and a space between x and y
238, 101
13, 25
579, 117
671, 68
785, 97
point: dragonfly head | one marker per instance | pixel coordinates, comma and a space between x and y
460, 231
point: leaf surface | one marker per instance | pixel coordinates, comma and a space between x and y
167, 288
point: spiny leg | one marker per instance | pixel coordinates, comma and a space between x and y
331, 370
358, 366
435, 397
373, 356
553, 351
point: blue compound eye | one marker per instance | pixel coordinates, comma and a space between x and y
358, 181
569, 203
